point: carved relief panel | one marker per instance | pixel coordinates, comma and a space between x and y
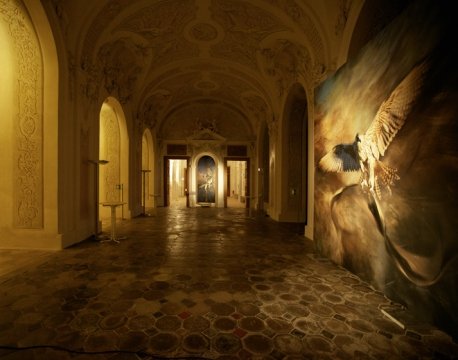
28, 122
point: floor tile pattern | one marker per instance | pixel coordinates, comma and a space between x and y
202, 283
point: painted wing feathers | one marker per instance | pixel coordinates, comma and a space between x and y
341, 158
393, 112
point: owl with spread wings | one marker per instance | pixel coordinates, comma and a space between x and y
365, 152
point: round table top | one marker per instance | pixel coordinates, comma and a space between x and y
113, 203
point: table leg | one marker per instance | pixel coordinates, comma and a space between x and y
113, 224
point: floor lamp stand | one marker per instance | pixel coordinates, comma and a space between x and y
96, 164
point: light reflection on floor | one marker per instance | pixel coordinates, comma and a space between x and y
202, 283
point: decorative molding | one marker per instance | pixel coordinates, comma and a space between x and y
28, 122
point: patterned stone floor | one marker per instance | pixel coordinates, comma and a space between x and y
201, 284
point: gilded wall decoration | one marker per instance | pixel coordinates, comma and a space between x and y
28, 122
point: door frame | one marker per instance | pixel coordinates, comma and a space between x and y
247, 184
166, 178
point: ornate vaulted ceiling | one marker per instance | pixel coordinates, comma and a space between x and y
224, 61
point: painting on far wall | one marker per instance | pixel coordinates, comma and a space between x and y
206, 172
386, 158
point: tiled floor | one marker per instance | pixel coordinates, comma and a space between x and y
201, 283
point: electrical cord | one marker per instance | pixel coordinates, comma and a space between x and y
140, 353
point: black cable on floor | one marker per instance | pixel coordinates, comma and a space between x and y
82, 352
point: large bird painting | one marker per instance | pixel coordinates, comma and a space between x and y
386, 155
365, 153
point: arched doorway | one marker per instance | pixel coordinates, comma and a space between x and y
114, 148
294, 157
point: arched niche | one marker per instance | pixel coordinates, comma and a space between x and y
28, 99
114, 148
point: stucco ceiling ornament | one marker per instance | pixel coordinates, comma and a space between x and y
154, 107
318, 73
285, 62
302, 18
122, 62
206, 124
245, 26
161, 25
203, 32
